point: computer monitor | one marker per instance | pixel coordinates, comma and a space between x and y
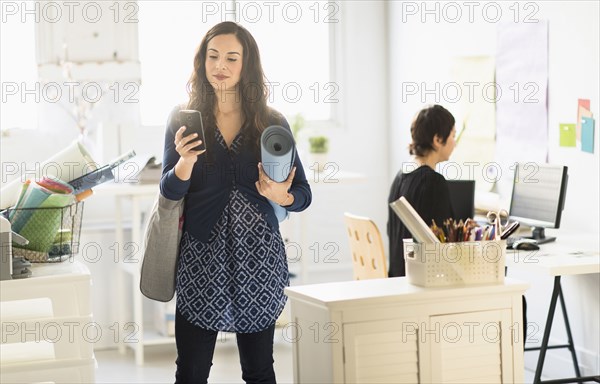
462, 198
538, 197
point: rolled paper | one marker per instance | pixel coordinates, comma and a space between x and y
55, 185
278, 151
49, 192
72, 162
38, 215
84, 195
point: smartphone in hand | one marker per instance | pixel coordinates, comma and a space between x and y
192, 120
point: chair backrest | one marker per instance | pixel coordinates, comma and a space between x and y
368, 256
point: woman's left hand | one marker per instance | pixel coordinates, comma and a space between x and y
274, 191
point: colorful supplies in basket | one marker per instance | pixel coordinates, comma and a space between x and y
453, 254
38, 214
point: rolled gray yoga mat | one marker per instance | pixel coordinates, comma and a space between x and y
278, 151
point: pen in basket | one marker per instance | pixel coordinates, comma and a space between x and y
451, 231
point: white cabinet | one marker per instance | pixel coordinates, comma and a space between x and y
388, 331
47, 326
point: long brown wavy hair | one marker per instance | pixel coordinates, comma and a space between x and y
251, 88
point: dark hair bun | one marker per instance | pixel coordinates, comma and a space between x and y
430, 121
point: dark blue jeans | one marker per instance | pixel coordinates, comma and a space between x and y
196, 346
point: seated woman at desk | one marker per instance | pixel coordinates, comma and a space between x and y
433, 140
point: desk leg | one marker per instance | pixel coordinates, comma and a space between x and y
138, 311
569, 336
138, 315
136, 228
544, 347
119, 238
556, 295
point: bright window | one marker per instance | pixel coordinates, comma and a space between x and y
21, 92
293, 39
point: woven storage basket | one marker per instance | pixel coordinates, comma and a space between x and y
448, 264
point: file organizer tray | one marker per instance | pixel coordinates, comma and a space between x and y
53, 233
455, 264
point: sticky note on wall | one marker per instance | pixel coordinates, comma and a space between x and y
567, 135
587, 134
585, 103
582, 112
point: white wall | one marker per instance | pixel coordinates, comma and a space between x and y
422, 52
360, 143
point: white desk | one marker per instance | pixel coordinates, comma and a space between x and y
136, 193
389, 331
568, 255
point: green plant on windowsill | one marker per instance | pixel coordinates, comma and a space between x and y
318, 144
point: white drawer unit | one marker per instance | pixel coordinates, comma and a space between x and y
47, 326
389, 331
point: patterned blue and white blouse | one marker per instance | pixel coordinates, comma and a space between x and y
235, 281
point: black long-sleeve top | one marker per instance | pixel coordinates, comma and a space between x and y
427, 191
213, 178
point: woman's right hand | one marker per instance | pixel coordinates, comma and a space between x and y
184, 146
188, 157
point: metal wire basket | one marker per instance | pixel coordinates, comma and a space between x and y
53, 233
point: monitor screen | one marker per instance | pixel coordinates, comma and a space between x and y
538, 196
462, 198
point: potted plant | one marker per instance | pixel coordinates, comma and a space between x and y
318, 151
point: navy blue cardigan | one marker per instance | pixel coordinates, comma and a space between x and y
207, 191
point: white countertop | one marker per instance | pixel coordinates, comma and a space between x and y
394, 289
569, 254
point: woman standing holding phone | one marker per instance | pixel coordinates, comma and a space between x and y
232, 265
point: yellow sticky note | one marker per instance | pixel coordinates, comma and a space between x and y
567, 135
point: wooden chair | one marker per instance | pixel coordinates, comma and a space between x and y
368, 256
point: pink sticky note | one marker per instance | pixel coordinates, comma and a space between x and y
583, 109
585, 103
